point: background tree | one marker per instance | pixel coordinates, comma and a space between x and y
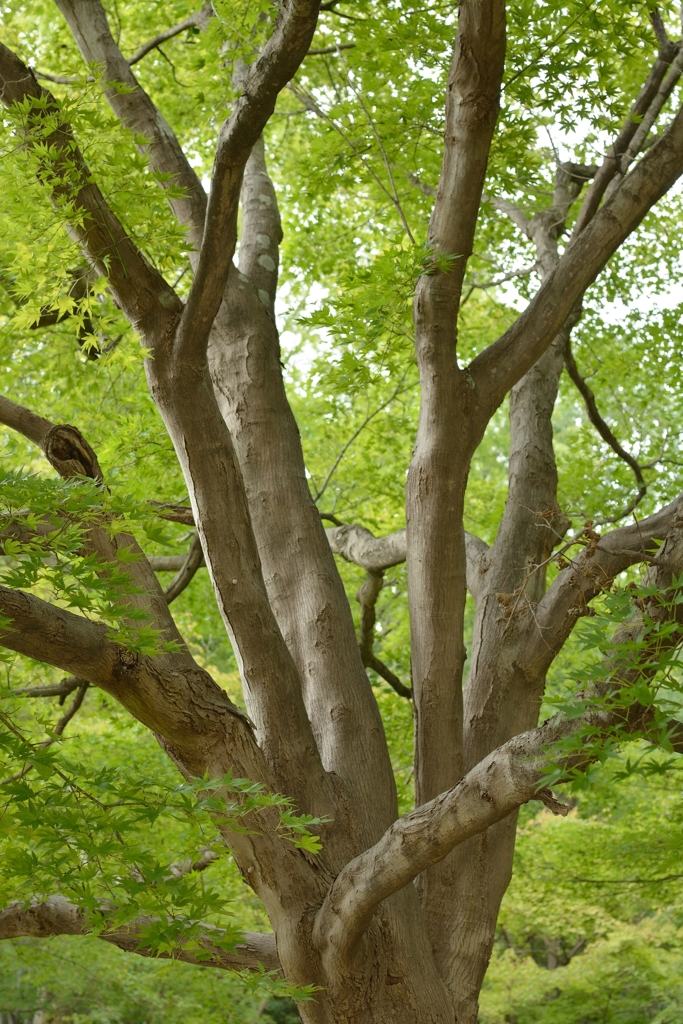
384, 207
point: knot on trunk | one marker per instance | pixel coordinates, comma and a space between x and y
70, 454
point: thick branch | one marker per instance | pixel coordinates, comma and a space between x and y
146, 299
498, 368
261, 228
58, 916
360, 546
512, 774
88, 23
276, 65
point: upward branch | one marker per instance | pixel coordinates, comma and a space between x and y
500, 366
276, 65
147, 300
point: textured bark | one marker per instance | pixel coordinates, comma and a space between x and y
57, 916
349, 920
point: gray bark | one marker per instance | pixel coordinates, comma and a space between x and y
349, 920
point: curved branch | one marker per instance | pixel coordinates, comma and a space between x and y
58, 916
276, 65
358, 545
602, 427
192, 561
367, 598
198, 20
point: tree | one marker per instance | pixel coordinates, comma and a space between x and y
347, 919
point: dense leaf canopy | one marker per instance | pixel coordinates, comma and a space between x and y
592, 925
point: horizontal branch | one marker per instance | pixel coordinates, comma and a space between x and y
58, 916
197, 20
358, 545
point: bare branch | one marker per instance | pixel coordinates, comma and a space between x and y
180, 868
18, 417
660, 32
193, 561
345, 447
62, 689
642, 132
330, 49
360, 546
198, 20
367, 598
603, 429
70, 454
58, 916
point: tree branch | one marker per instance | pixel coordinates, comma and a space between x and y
358, 545
589, 573
198, 20
610, 164
275, 66
192, 561
498, 367
88, 23
509, 776
261, 228
367, 598
147, 300
602, 427
58, 916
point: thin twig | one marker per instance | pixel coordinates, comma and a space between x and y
56, 733
198, 20
397, 202
311, 105
331, 49
605, 433
367, 598
398, 391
